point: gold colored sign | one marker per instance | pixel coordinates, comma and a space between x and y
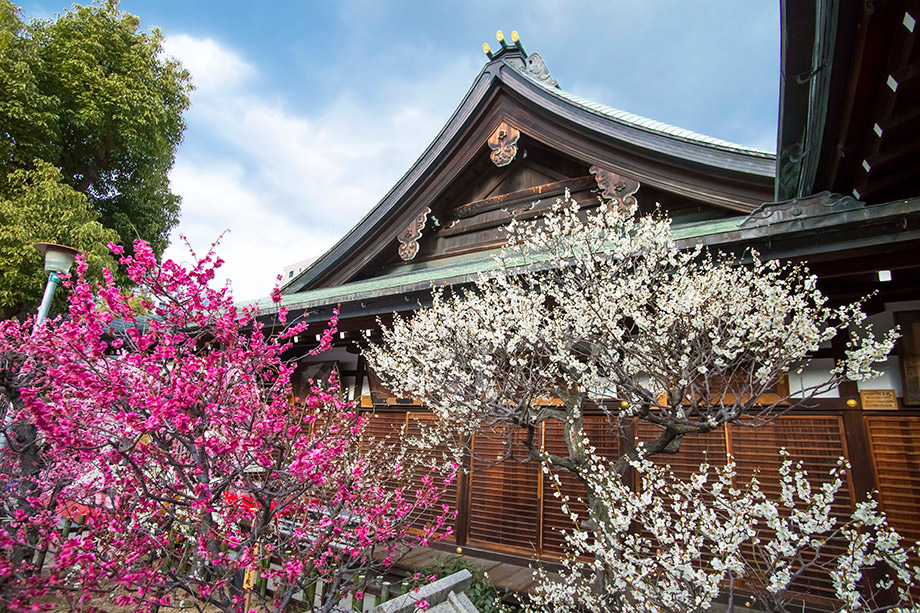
879, 400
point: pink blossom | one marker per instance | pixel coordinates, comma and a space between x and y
157, 427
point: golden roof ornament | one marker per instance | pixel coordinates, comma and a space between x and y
533, 64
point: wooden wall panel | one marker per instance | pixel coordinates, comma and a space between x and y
379, 426
604, 437
434, 457
816, 441
392, 424
512, 507
504, 497
895, 443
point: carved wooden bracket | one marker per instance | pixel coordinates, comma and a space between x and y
616, 190
503, 143
408, 238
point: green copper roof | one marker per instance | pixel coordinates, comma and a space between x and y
394, 280
463, 269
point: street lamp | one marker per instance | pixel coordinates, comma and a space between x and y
58, 260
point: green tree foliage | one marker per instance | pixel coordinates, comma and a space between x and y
92, 96
38, 207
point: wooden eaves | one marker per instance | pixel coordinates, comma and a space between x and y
800, 229
849, 100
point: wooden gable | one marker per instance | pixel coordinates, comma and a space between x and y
514, 142
471, 213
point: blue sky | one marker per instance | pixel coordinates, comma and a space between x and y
306, 113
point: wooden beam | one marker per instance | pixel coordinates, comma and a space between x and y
876, 190
904, 77
521, 196
519, 209
897, 128
893, 158
868, 264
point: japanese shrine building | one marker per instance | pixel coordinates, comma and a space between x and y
842, 194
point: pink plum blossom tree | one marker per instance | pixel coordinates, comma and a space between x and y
160, 461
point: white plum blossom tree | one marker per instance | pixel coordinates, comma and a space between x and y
706, 537
602, 310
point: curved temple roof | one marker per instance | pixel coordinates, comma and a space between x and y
656, 126
679, 148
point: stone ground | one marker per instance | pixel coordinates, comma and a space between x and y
502, 574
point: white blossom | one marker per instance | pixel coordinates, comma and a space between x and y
701, 537
585, 302
596, 306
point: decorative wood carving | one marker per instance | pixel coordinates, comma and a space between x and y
408, 238
616, 190
503, 144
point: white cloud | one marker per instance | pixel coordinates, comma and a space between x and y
214, 69
288, 185
217, 197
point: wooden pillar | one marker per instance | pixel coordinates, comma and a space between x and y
463, 492
859, 452
628, 436
862, 473
360, 369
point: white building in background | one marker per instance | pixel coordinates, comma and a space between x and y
292, 270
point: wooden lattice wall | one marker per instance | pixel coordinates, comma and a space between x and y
508, 506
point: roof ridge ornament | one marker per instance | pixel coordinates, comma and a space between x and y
537, 68
533, 65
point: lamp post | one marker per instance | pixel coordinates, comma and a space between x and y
58, 260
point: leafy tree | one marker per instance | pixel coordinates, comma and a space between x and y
174, 441
38, 207
90, 95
